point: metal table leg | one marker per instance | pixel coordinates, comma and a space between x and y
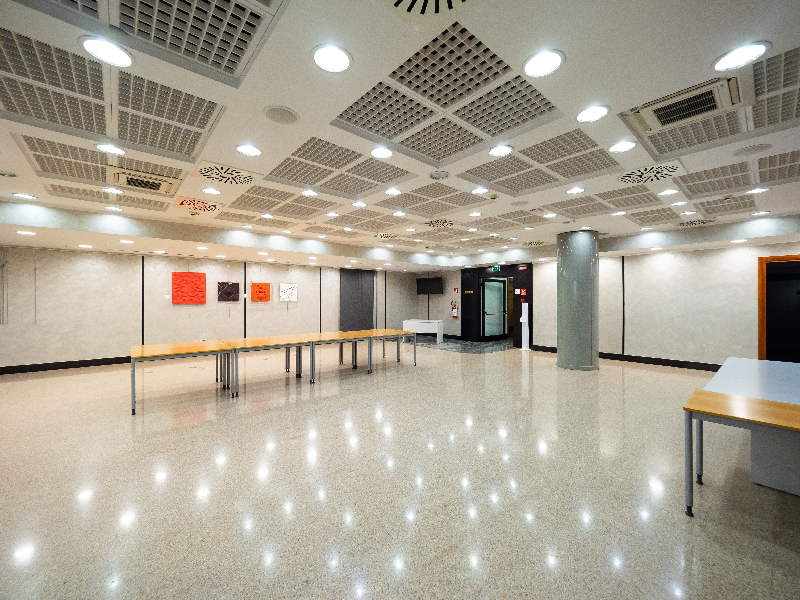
415, 349
298, 372
398, 348
384, 347
216, 366
235, 373
369, 355
699, 457
687, 430
311, 364
288, 353
133, 386
341, 353
355, 354
222, 370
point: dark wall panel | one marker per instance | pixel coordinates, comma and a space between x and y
357, 297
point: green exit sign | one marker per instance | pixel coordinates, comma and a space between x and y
496, 268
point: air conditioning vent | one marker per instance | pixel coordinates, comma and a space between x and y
142, 181
695, 223
687, 108
385, 236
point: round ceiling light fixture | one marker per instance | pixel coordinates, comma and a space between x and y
592, 114
576, 190
501, 150
107, 52
331, 58
110, 149
393, 192
309, 193
113, 190
359, 204
24, 196
248, 150
281, 115
381, 152
479, 190
622, 147
741, 56
439, 175
544, 63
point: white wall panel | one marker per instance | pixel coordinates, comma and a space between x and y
610, 280
543, 304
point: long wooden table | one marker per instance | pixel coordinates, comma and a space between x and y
227, 352
779, 420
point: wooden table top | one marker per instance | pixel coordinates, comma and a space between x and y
307, 338
742, 408
181, 348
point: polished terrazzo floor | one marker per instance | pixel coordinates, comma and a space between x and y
463, 346
469, 476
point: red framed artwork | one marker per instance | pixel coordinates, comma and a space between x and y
188, 288
259, 292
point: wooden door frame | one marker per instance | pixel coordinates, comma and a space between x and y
762, 298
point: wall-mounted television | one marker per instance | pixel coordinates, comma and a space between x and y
429, 285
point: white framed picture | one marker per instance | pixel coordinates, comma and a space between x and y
288, 292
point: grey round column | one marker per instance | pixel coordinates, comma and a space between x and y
578, 301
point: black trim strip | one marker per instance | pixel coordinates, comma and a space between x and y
142, 300
244, 297
70, 364
663, 362
623, 305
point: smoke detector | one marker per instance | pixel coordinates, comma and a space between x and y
281, 115
439, 175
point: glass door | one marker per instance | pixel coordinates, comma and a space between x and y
493, 306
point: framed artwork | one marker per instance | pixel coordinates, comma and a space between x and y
259, 292
188, 288
288, 292
227, 291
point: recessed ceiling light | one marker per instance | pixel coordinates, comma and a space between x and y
321, 236
387, 264
527, 228
309, 193
760, 213
503, 247
480, 249
502, 262
25, 196
267, 216
393, 192
381, 152
417, 240
312, 263
494, 234
758, 190
126, 241
471, 229
479, 190
353, 261
114, 208
465, 266
667, 192
286, 231
107, 52
202, 247
248, 150
247, 226
159, 251
689, 212
474, 214
359, 204
619, 213
542, 259
410, 229
332, 214
586, 227
549, 215
741, 56
220, 256
263, 253
211, 191
464, 239
501, 150
621, 147
656, 248
110, 149
576, 190
270, 260
347, 228
399, 213
113, 190
348, 266
645, 228
379, 268
331, 59
593, 113
88, 246
543, 63
512, 238
26, 232
680, 203
732, 242
390, 245
429, 251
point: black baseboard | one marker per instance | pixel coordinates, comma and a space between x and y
449, 336
70, 364
646, 360
544, 348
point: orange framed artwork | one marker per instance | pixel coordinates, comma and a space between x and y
762, 298
259, 292
188, 288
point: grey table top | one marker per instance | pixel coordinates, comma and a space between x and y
765, 379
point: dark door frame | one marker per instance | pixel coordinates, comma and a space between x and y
762, 298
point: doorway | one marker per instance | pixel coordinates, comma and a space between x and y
494, 309
779, 308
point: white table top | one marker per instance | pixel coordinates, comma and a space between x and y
765, 379
423, 321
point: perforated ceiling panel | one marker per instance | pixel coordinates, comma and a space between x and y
441, 139
355, 217
319, 229
566, 144
298, 209
655, 216
435, 190
87, 7
719, 179
403, 201
386, 112
585, 206
777, 72
142, 166
778, 108
527, 180
510, 105
254, 203
57, 149
217, 33
433, 208
629, 197
493, 224
583, 164
378, 171
779, 166
697, 132
300, 172
463, 199
325, 153
452, 66
148, 97
498, 168
65, 191
727, 206
347, 184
